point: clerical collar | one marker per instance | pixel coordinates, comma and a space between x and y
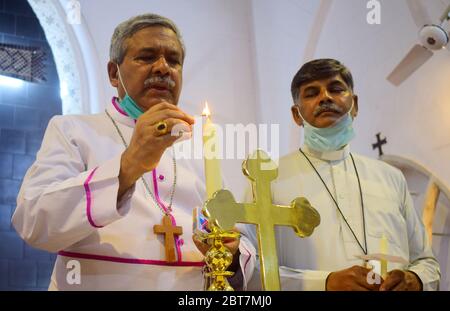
119, 114
337, 155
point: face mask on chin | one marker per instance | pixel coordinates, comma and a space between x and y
127, 103
330, 138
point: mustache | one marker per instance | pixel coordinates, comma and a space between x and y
166, 80
327, 107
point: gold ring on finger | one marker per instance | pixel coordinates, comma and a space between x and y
161, 127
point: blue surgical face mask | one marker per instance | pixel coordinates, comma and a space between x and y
329, 138
127, 103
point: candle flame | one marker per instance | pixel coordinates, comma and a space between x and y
206, 111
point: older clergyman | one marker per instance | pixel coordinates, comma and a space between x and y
107, 190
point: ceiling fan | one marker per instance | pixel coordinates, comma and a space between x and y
432, 37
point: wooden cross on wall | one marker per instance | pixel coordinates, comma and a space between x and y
169, 231
300, 215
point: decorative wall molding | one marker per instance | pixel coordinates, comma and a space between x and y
73, 52
434, 188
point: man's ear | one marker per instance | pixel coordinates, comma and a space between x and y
113, 74
296, 115
354, 112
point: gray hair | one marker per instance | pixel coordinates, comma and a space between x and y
129, 27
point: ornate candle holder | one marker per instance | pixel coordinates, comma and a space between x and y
218, 259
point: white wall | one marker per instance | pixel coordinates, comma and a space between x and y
281, 32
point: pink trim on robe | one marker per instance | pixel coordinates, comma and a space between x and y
178, 242
248, 259
89, 199
120, 110
132, 260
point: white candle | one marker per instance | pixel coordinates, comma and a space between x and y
383, 251
213, 175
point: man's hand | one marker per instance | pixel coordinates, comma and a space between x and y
147, 146
399, 280
351, 279
231, 244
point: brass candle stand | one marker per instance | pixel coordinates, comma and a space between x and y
218, 258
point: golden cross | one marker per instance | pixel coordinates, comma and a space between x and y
300, 215
169, 231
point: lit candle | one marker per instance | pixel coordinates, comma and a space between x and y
213, 175
384, 252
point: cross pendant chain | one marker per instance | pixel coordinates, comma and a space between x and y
164, 209
167, 228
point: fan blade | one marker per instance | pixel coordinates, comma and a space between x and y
412, 61
419, 13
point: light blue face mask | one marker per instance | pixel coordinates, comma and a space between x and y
330, 138
127, 103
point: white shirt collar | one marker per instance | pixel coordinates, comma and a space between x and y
336, 155
118, 114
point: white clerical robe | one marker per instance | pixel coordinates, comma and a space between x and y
388, 210
68, 204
